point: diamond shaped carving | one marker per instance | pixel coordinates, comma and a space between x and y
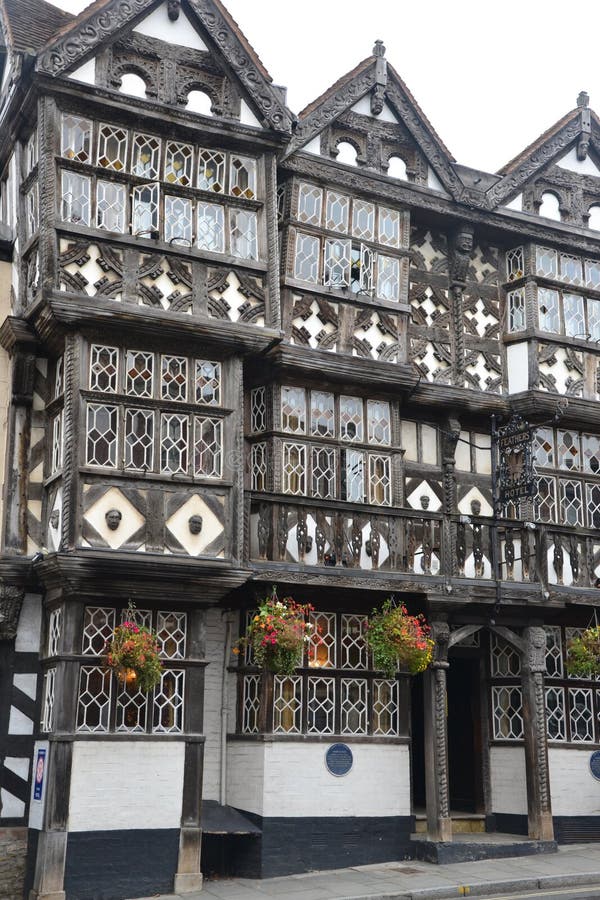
211, 538
131, 518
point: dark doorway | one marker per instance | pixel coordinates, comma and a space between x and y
464, 735
417, 743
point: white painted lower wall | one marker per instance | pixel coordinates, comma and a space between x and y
126, 785
213, 701
509, 785
281, 778
574, 791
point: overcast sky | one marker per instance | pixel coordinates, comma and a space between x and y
489, 76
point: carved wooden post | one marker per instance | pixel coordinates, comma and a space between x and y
439, 824
449, 537
539, 809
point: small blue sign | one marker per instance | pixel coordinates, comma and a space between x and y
40, 773
595, 764
339, 759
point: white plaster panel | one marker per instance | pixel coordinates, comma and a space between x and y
30, 625
434, 182
574, 791
517, 367
26, 683
247, 117
363, 107
131, 520
18, 722
12, 807
582, 166
516, 203
85, 73
313, 146
182, 32
246, 775
19, 765
509, 786
121, 785
213, 702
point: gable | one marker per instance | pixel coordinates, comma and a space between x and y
179, 32
571, 162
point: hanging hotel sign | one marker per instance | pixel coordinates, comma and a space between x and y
515, 460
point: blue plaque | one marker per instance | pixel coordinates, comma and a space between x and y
338, 759
595, 764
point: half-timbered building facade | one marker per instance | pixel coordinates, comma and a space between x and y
245, 349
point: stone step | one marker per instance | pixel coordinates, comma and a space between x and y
469, 847
462, 823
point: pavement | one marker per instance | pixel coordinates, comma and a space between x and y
573, 866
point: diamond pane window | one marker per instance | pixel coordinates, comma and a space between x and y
244, 243
593, 311
140, 373
110, 206
59, 382
104, 368
323, 461
93, 712
362, 260
208, 382
515, 302
363, 220
385, 707
250, 704
570, 269
322, 646
543, 447
76, 138
337, 210
354, 706
388, 277
389, 227
170, 632
581, 714
178, 220
351, 419
287, 704
179, 163
554, 665
31, 152
505, 662
102, 432
168, 702
507, 709
545, 500
569, 455
174, 378
378, 422
146, 156
57, 442
322, 414
546, 262
570, 502
144, 219
574, 315
208, 447
211, 171
258, 409
306, 260
174, 444
337, 258
259, 464
98, 626
139, 439
75, 193
294, 469
47, 719
592, 496
132, 708
555, 714
353, 476
31, 210
548, 310
592, 273
211, 227
242, 177
112, 147
321, 706
310, 203
54, 631
380, 482
354, 647
293, 410
515, 266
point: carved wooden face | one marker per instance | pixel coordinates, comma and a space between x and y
195, 524
113, 519
173, 9
464, 242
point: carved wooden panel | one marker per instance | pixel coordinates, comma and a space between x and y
375, 335
433, 360
560, 370
93, 269
236, 297
315, 323
165, 282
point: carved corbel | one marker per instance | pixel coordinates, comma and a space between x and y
583, 144
461, 247
11, 601
20, 342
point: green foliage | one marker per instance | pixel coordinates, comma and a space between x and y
133, 655
277, 634
583, 654
398, 640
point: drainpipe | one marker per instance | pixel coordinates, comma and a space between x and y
225, 710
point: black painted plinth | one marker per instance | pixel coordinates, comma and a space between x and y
114, 865
443, 853
567, 829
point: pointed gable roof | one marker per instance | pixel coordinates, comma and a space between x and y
350, 88
31, 23
550, 145
103, 19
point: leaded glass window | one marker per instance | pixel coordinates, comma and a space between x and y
179, 163
102, 435
211, 171
112, 147
516, 310
211, 227
337, 212
243, 234
242, 177
208, 452
322, 414
75, 192
110, 206
310, 201
178, 220
76, 138
306, 260
549, 311
389, 227
146, 156
139, 439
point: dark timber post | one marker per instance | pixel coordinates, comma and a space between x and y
439, 824
539, 807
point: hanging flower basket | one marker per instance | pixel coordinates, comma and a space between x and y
278, 633
398, 640
132, 653
583, 654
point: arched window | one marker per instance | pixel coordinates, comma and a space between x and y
594, 217
199, 102
549, 207
397, 168
133, 85
346, 153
